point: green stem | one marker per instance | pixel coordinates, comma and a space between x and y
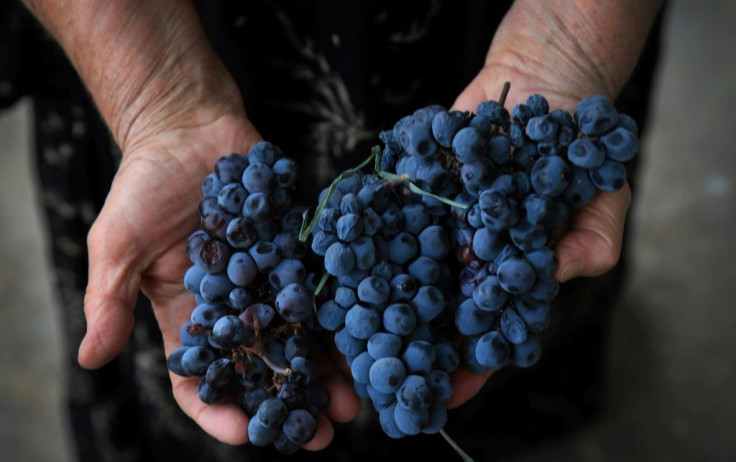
463, 455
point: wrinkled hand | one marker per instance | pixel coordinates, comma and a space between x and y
591, 244
139, 241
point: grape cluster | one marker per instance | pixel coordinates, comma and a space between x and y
249, 334
386, 251
521, 174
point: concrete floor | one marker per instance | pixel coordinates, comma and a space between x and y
672, 368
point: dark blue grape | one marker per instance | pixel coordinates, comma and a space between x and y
585, 153
595, 115
414, 394
387, 374
321, 241
428, 303
345, 297
257, 208
402, 248
374, 290
487, 243
538, 208
197, 359
441, 385
403, 287
229, 169
544, 289
347, 344
427, 113
207, 393
294, 303
258, 177
581, 190
417, 140
516, 275
537, 104
399, 319
339, 259
535, 313
266, 255
436, 419
521, 113
620, 144
469, 145
241, 269
434, 242
489, 295
220, 373
426, 270
259, 434
211, 185
206, 314
231, 198
445, 125
287, 272
365, 252
471, 320
499, 149
215, 224
241, 233
173, 362
384, 345
388, 422
448, 358
541, 128
611, 176
360, 367
526, 354
544, 262
493, 351
418, 357
229, 331
362, 322
286, 172
192, 334
304, 370
551, 176
380, 400
264, 152
349, 227
527, 236
330, 315
513, 327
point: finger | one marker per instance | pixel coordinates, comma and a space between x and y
111, 293
324, 435
225, 421
344, 405
592, 246
466, 384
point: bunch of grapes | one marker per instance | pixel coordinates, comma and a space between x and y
438, 257
249, 334
386, 252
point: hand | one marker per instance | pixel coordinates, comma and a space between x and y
139, 241
591, 245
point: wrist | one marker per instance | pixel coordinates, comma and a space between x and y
571, 49
147, 64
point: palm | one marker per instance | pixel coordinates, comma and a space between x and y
139, 240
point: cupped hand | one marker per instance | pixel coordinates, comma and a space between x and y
139, 242
591, 244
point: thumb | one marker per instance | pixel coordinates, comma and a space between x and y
111, 292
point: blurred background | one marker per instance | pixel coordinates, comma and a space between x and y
672, 360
